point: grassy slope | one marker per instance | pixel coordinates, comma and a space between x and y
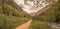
39, 25
10, 22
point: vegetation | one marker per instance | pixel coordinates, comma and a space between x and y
10, 17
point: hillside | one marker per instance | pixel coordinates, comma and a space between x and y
11, 17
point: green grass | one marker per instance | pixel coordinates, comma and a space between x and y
39, 25
10, 22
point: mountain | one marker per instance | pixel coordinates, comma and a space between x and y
11, 17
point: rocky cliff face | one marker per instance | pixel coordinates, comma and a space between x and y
11, 2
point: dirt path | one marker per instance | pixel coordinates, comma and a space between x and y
25, 25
